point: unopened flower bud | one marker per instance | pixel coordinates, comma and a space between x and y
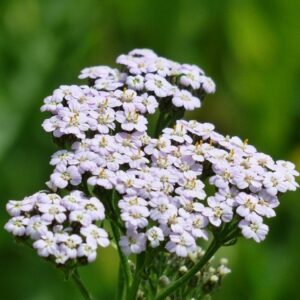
223, 270
140, 295
214, 278
164, 281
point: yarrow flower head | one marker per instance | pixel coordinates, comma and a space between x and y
58, 225
164, 183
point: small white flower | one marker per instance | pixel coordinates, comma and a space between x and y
36, 227
178, 134
94, 208
95, 236
135, 217
253, 228
274, 183
248, 179
61, 256
102, 120
208, 85
135, 82
102, 177
133, 242
127, 183
63, 175
46, 245
196, 224
17, 225
157, 84
190, 76
70, 244
218, 212
161, 208
73, 201
15, 208
190, 186
61, 157
150, 104
81, 217
51, 212
155, 236
88, 251
181, 244
185, 99
131, 120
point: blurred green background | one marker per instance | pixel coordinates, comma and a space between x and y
250, 48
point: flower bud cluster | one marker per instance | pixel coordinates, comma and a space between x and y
63, 229
204, 282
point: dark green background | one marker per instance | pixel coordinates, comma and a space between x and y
250, 48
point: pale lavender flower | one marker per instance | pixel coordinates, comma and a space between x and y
102, 120
81, 217
15, 208
73, 200
133, 242
51, 212
102, 177
208, 85
149, 103
135, 82
131, 120
127, 182
253, 228
69, 244
155, 236
94, 208
196, 224
61, 157
17, 225
247, 204
274, 183
181, 244
46, 245
95, 236
185, 99
157, 84
161, 208
135, 217
218, 212
63, 175
89, 251
36, 227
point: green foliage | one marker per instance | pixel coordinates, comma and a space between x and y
250, 48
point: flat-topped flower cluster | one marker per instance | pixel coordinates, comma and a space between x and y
61, 227
163, 184
124, 99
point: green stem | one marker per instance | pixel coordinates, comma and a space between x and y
140, 261
121, 283
123, 259
159, 123
83, 290
212, 249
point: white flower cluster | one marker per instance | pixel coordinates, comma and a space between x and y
61, 228
162, 183
124, 99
